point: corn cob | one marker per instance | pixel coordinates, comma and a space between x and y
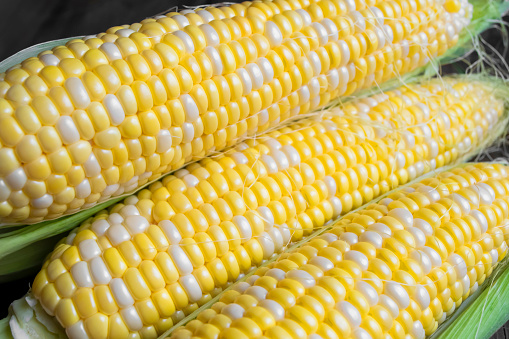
106, 114
146, 263
395, 269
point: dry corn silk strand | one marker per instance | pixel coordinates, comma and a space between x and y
142, 266
103, 115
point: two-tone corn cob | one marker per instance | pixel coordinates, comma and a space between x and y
395, 269
101, 116
142, 266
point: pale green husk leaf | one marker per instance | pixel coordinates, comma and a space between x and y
484, 312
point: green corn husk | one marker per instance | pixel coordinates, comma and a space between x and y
16, 261
484, 312
486, 13
27, 319
42, 237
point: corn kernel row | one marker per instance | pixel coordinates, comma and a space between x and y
396, 269
142, 266
102, 116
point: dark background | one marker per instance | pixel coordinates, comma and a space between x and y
28, 22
